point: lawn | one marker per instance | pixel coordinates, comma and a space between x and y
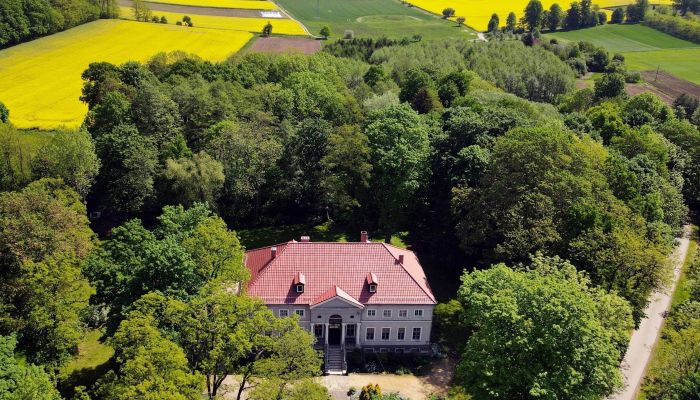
683, 63
40, 80
279, 26
370, 18
244, 4
625, 38
478, 12
90, 364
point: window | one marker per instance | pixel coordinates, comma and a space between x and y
300, 288
418, 313
318, 330
403, 313
416, 334
299, 312
372, 288
401, 335
370, 334
350, 331
386, 332
283, 313
387, 313
371, 313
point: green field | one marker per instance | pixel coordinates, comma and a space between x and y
644, 48
683, 63
625, 38
370, 18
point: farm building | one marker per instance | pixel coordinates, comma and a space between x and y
372, 296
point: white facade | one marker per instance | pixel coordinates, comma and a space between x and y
382, 327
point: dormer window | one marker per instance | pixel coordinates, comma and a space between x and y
299, 282
372, 282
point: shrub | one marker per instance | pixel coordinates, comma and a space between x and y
178, 23
4, 113
617, 16
351, 391
686, 105
267, 30
684, 28
448, 12
578, 65
633, 77
163, 20
370, 392
348, 34
609, 85
325, 32
461, 20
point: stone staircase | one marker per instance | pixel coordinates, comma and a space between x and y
335, 361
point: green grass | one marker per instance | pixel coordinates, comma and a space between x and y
260, 237
683, 63
625, 38
681, 294
93, 361
371, 18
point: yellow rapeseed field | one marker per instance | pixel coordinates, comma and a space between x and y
279, 26
245, 4
40, 80
478, 12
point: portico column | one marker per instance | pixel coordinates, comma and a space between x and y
358, 335
326, 335
342, 333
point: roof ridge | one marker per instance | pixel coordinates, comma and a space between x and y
430, 295
272, 260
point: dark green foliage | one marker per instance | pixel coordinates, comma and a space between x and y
22, 20
609, 86
494, 23
684, 28
533, 14
685, 105
511, 22
19, 380
637, 12
618, 16
4, 113
267, 30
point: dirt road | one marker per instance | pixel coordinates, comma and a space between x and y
643, 339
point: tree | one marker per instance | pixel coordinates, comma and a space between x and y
494, 23
555, 18
533, 14
349, 169
196, 179
460, 21
267, 30
448, 12
573, 16
685, 105
44, 238
370, 392
187, 21
4, 113
70, 156
618, 16
141, 11
685, 6
609, 86
676, 374
149, 366
325, 31
374, 74
637, 12
537, 332
511, 22
19, 380
398, 142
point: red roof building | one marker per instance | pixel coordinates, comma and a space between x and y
359, 294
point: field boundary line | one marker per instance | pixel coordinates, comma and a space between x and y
288, 14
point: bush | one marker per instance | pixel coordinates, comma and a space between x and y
686, 105
609, 85
4, 113
448, 12
684, 28
349, 34
325, 32
163, 20
267, 30
633, 77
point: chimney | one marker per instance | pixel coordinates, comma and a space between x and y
273, 251
400, 258
363, 237
305, 239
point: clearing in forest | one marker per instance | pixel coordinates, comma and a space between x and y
40, 80
373, 18
478, 12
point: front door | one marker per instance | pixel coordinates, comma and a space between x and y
335, 326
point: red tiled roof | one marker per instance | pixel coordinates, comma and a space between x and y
334, 292
342, 265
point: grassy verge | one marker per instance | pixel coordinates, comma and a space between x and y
680, 295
